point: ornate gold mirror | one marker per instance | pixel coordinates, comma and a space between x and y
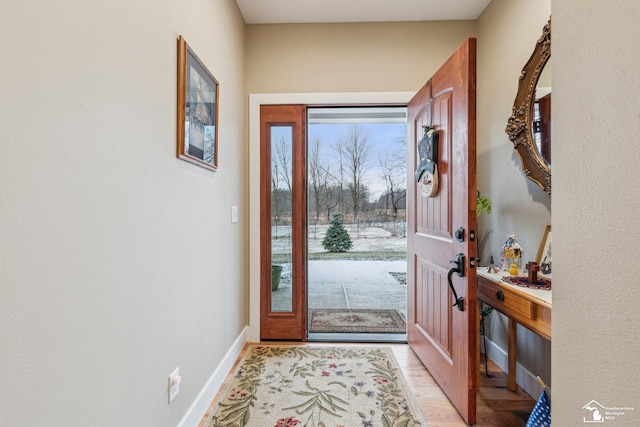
529, 127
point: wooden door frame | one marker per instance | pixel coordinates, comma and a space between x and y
284, 325
252, 331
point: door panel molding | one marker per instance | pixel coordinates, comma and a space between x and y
434, 293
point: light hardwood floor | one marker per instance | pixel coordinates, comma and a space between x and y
495, 403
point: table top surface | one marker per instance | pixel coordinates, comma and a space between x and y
540, 296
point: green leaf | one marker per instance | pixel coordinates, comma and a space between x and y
483, 204
303, 393
338, 383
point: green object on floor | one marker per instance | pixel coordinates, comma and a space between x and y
276, 273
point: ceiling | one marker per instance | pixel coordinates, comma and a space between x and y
314, 11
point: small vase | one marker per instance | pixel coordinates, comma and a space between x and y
513, 270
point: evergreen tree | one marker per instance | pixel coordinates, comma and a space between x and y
337, 239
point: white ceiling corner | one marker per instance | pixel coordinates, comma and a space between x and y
321, 11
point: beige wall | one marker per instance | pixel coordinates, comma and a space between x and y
595, 208
368, 57
507, 34
118, 262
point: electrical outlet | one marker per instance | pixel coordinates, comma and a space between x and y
174, 384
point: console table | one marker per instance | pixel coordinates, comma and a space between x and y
528, 307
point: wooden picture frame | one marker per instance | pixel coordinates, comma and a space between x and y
520, 124
197, 104
544, 252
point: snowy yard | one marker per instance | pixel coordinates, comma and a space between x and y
371, 275
388, 238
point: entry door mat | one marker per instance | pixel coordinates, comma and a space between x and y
379, 321
297, 386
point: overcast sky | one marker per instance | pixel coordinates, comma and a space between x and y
380, 136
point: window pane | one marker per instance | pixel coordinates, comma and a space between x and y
281, 250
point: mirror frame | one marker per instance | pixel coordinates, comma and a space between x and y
520, 124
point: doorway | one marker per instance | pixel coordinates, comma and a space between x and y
333, 180
254, 166
356, 214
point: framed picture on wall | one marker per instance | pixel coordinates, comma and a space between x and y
544, 252
197, 110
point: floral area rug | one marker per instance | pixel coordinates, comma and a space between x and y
316, 386
357, 320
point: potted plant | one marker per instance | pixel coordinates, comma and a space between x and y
483, 204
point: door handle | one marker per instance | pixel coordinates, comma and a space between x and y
459, 269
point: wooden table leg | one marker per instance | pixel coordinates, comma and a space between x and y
513, 337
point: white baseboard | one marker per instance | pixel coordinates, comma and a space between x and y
524, 378
199, 407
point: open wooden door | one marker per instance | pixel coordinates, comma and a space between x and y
442, 317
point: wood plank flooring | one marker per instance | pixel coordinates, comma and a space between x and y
495, 402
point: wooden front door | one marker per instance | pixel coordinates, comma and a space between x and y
283, 218
441, 330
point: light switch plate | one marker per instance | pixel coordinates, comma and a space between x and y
234, 214
174, 384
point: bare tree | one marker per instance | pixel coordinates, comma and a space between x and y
337, 174
275, 185
331, 192
324, 185
281, 179
319, 179
283, 158
355, 158
393, 164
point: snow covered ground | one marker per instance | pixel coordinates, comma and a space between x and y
387, 237
348, 283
